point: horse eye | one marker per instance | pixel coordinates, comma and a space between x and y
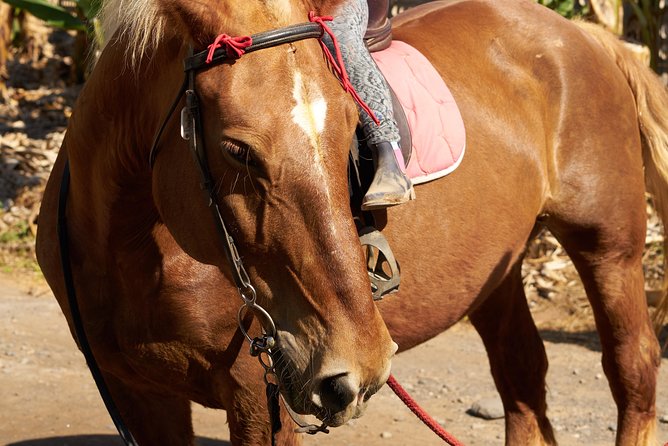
239, 151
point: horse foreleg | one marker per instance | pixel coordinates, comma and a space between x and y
611, 271
517, 360
154, 419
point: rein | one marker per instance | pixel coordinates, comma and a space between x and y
421, 413
82, 339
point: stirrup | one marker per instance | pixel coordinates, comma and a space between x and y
381, 265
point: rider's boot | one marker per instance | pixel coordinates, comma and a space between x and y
390, 185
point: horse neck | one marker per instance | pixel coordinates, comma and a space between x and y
108, 143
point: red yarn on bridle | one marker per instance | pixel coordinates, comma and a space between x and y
336, 63
236, 46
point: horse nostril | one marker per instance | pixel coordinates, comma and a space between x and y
337, 392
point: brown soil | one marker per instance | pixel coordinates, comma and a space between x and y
48, 398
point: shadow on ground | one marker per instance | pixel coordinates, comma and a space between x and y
588, 339
98, 440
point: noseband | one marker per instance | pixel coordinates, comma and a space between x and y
191, 130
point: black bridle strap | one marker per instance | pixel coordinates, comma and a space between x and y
263, 40
75, 313
198, 152
165, 120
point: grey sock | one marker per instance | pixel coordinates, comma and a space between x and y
349, 26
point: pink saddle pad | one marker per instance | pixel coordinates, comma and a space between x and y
436, 125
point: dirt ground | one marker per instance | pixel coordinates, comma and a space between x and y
48, 398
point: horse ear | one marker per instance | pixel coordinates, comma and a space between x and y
198, 20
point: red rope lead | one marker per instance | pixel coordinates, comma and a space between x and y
420, 413
336, 63
234, 45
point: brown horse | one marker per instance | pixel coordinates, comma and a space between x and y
560, 134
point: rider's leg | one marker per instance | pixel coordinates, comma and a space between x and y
390, 185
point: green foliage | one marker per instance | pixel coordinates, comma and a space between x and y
18, 233
89, 8
16, 29
647, 13
81, 19
17, 248
567, 8
52, 14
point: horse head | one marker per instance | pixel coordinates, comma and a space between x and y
277, 127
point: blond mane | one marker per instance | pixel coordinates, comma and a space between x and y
139, 22
142, 23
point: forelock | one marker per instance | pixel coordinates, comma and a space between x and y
139, 22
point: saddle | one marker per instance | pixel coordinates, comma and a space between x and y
379, 29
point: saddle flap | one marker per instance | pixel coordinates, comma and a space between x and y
378, 34
404, 129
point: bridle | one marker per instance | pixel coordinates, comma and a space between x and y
191, 130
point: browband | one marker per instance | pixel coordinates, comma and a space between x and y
266, 39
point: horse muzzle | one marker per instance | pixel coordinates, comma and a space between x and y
333, 394
339, 398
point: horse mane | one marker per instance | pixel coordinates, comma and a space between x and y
140, 22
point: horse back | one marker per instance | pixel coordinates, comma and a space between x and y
522, 74
530, 85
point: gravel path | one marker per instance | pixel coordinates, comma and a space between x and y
47, 397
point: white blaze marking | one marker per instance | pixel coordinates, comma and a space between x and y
310, 113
